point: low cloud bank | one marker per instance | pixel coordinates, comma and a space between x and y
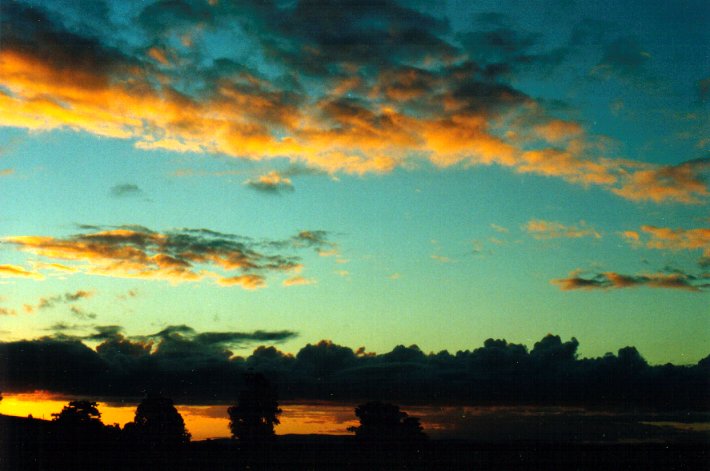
197, 368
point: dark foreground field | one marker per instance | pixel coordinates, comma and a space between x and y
36, 445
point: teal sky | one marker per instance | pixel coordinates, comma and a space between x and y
478, 171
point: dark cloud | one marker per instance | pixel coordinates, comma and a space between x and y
625, 58
611, 280
501, 48
125, 190
86, 60
199, 367
66, 298
179, 255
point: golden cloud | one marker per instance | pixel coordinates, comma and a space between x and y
15, 271
540, 229
180, 256
246, 117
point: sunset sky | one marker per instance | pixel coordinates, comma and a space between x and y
236, 174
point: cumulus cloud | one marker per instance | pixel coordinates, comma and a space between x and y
194, 367
613, 280
541, 229
391, 92
181, 255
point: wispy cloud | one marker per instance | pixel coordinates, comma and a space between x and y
15, 271
665, 238
177, 256
541, 229
612, 280
125, 190
683, 183
49, 302
298, 281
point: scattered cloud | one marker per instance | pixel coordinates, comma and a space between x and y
611, 280
6, 172
66, 298
500, 229
665, 238
541, 230
6, 311
182, 255
624, 58
272, 182
682, 183
81, 314
125, 190
298, 281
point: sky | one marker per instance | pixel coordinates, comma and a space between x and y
206, 177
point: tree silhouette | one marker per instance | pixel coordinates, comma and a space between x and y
79, 413
256, 413
383, 422
158, 424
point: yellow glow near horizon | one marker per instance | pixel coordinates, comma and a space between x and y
201, 421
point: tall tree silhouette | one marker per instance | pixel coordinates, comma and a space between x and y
256, 413
158, 424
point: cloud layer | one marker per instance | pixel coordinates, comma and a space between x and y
178, 256
199, 367
610, 280
325, 85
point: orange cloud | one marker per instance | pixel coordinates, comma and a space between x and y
540, 229
15, 271
558, 130
612, 280
247, 117
245, 281
681, 183
181, 256
678, 239
271, 182
298, 281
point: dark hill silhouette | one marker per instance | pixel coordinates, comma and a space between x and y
33, 445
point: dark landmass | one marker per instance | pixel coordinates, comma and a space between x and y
32, 444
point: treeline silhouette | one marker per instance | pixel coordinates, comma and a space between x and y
386, 438
200, 367
76, 438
